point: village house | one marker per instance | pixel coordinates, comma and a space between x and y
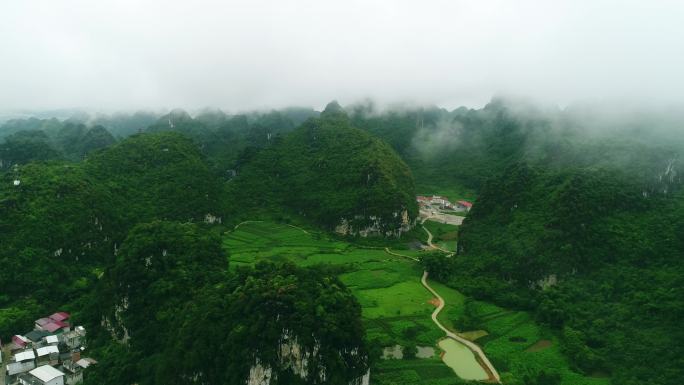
36, 336
55, 323
438, 200
48, 355
422, 200
51, 340
74, 338
465, 205
435, 200
42, 375
20, 342
74, 370
21, 362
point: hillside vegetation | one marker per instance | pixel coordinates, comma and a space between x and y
584, 229
333, 174
62, 222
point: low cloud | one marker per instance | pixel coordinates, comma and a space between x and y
239, 55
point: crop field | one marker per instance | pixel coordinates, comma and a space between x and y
511, 334
396, 307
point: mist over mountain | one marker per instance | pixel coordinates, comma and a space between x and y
341, 193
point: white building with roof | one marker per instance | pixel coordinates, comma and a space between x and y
46, 375
48, 355
46, 350
52, 340
25, 356
14, 368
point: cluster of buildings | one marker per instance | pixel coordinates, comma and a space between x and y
50, 354
442, 203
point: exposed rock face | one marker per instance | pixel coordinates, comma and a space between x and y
259, 375
546, 282
293, 356
211, 219
373, 225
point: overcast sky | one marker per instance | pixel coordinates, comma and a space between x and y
236, 55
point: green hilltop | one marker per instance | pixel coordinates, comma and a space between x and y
333, 174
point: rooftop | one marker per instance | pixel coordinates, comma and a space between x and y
25, 355
45, 350
54, 326
85, 362
52, 339
46, 373
37, 335
60, 316
42, 321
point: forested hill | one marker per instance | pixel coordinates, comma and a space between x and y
278, 324
127, 242
334, 174
466, 147
595, 255
579, 218
584, 228
61, 220
220, 136
50, 140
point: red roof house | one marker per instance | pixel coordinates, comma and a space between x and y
55, 326
41, 322
20, 341
465, 204
60, 316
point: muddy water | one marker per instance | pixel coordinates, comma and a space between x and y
459, 358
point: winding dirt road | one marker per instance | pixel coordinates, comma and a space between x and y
433, 246
489, 368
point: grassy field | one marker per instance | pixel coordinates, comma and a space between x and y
396, 308
511, 336
444, 235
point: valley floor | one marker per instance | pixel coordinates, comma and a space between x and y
397, 309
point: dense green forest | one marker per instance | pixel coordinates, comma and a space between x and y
62, 222
311, 172
579, 219
585, 230
229, 322
80, 233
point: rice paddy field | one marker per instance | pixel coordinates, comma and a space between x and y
396, 308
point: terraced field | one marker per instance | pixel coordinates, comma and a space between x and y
510, 341
396, 308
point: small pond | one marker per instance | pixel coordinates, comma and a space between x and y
459, 358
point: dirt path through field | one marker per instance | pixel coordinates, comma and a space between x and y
433, 246
489, 368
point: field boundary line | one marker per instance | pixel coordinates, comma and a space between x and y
390, 252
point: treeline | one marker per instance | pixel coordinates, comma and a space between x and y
221, 137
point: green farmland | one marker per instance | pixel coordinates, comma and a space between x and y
396, 308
